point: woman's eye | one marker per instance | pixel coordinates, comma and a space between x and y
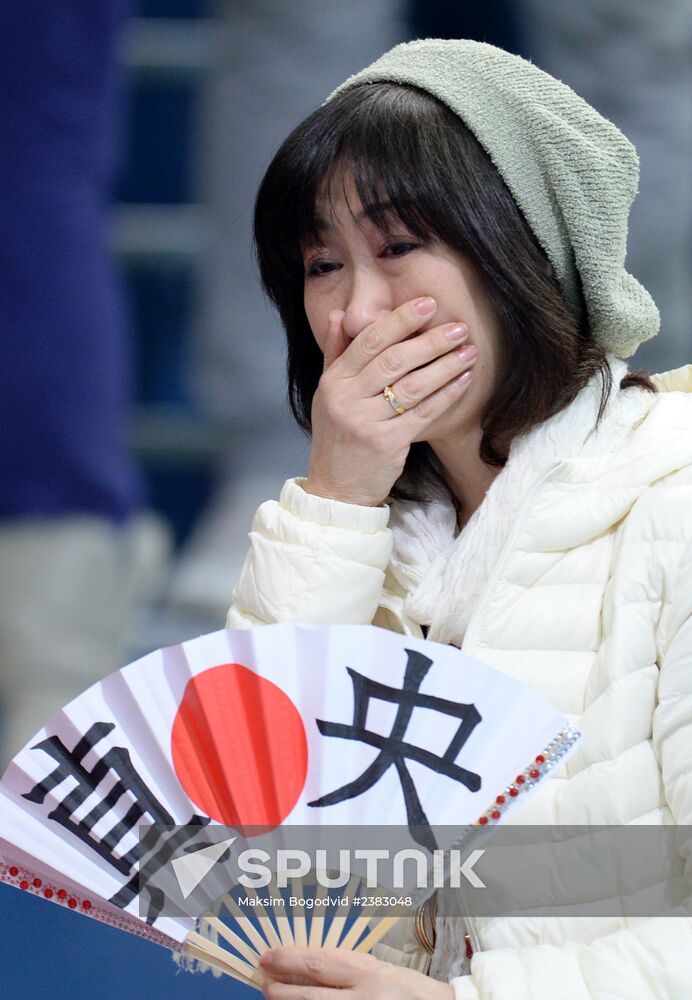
317, 268
399, 249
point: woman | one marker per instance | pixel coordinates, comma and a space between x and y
445, 242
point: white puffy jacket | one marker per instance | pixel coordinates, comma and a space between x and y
590, 602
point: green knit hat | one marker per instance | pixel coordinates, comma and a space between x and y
572, 173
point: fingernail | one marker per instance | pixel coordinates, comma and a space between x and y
456, 332
424, 305
266, 959
466, 353
466, 377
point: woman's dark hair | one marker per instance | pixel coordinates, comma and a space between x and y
407, 150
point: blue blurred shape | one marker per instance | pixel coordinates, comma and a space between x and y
48, 952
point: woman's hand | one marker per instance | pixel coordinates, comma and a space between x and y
359, 442
318, 973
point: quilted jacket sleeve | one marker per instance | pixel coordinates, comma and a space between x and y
312, 560
653, 958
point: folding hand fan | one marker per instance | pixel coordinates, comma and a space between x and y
281, 726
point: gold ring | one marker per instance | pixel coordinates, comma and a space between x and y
426, 911
392, 400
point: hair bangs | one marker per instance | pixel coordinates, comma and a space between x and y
371, 141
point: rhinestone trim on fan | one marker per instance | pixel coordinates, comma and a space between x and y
542, 764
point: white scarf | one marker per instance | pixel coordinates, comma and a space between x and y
443, 573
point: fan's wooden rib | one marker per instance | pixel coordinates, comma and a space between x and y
246, 925
233, 939
202, 955
283, 924
190, 950
355, 931
300, 925
272, 938
376, 933
317, 921
213, 954
336, 926
362, 922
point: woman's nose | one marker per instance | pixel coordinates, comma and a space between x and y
370, 297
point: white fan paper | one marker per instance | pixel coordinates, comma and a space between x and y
284, 724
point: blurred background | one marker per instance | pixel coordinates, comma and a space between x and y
142, 385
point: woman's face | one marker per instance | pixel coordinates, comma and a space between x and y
365, 274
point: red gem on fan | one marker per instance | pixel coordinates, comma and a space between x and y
540, 759
534, 773
496, 814
48, 893
86, 905
520, 779
500, 800
62, 894
37, 883
24, 884
72, 903
14, 871
514, 792
483, 820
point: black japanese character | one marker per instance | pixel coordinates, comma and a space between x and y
70, 764
394, 750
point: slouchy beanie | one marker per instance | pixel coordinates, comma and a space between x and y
572, 173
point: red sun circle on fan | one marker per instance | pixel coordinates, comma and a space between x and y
239, 747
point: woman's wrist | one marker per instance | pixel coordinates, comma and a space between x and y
341, 495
